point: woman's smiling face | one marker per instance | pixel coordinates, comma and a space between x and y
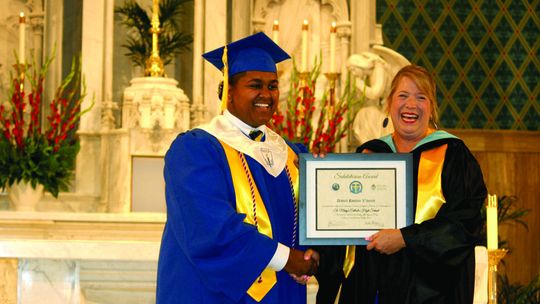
254, 97
410, 110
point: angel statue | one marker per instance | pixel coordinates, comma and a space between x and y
374, 72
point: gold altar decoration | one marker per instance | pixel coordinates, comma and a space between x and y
494, 257
332, 78
154, 64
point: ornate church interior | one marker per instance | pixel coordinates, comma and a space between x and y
81, 67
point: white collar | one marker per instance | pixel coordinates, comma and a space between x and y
244, 127
271, 153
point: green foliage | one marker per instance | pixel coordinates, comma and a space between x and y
35, 153
509, 293
38, 163
171, 41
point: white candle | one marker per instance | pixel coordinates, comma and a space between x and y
333, 48
305, 27
275, 32
22, 34
492, 223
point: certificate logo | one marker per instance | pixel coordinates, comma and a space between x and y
335, 186
355, 187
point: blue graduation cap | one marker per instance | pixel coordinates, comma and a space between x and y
254, 53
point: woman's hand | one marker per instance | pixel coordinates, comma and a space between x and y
387, 241
300, 279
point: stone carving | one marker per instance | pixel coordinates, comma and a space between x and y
374, 72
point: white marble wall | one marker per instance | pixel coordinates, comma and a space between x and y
48, 281
64, 258
107, 282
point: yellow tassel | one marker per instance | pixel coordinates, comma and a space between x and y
225, 92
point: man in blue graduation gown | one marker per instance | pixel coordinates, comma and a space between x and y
230, 235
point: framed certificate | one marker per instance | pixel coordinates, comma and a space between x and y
345, 198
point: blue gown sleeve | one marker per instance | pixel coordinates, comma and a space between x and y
227, 253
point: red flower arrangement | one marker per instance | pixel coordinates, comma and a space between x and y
319, 125
32, 153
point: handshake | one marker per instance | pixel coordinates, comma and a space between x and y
301, 265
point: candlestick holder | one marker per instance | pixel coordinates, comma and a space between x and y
154, 64
332, 78
21, 68
303, 76
494, 257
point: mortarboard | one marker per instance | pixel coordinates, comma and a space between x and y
254, 53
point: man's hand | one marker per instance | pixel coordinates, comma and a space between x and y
302, 263
308, 255
316, 151
387, 241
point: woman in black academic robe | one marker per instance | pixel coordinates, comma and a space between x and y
431, 261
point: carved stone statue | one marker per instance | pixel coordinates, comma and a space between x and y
374, 72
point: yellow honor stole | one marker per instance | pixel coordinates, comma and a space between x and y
249, 202
430, 197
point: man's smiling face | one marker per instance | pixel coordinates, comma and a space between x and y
254, 97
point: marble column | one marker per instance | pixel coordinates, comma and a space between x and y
197, 108
363, 17
93, 55
215, 35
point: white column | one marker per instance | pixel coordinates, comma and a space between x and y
344, 37
51, 43
363, 17
108, 53
215, 35
36, 24
88, 173
198, 79
241, 9
92, 49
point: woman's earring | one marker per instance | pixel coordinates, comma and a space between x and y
385, 122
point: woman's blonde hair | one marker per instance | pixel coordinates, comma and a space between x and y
425, 82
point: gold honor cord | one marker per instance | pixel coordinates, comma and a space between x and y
249, 202
430, 197
225, 93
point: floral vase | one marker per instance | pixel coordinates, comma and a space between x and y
23, 196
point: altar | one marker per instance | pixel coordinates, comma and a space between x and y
56, 257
